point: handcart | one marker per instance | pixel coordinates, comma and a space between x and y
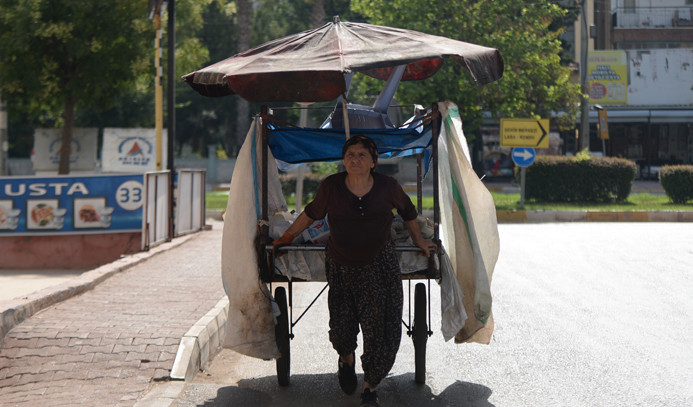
317, 66
419, 330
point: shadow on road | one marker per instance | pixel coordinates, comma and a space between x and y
322, 390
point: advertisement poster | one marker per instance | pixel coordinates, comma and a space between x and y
131, 150
71, 205
607, 76
48, 142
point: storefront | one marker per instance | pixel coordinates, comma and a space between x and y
649, 137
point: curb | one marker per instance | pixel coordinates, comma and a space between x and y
201, 343
545, 216
15, 311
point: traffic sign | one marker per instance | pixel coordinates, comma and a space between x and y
603, 125
523, 156
524, 133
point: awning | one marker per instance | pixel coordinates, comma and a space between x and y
645, 116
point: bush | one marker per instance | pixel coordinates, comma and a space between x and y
677, 181
579, 179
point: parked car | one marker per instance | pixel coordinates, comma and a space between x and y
498, 165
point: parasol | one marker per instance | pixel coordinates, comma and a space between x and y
311, 66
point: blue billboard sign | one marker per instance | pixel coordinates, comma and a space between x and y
71, 204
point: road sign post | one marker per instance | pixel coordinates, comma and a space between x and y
523, 157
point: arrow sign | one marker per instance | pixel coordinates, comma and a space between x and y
524, 133
523, 156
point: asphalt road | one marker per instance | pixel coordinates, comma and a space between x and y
587, 314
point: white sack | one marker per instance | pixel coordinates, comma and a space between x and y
469, 229
251, 317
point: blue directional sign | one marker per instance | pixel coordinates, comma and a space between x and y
523, 156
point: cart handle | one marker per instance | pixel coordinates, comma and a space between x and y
321, 247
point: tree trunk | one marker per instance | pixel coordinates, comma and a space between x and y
317, 16
242, 105
65, 148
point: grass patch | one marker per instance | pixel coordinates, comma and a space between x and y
503, 201
216, 200
635, 202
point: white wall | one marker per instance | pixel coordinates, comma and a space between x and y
660, 77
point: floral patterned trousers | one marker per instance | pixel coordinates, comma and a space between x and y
369, 296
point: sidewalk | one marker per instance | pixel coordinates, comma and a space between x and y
105, 337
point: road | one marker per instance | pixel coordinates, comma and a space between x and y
587, 314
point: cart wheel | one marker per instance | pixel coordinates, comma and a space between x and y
281, 332
420, 334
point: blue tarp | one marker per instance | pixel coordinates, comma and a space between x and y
292, 145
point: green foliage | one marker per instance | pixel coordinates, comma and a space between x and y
53, 51
534, 83
583, 155
324, 168
566, 179
677, 181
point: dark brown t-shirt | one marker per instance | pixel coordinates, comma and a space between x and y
359, 227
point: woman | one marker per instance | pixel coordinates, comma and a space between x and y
361, 266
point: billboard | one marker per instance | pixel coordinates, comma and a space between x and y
607, 77
71, 205
48, 143
660, 77
131, 150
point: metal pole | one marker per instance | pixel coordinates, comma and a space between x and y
171, 91
523, 171
436, 206
303, 122
264, 229
170, 107
158, 91
584, 100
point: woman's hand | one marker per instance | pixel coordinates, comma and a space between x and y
417, 239
286, 239
425, 246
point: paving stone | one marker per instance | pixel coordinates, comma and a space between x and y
89, 349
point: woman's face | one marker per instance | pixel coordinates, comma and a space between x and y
357, 160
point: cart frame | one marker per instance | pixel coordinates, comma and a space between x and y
419, 330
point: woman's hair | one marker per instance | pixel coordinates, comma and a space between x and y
365, 141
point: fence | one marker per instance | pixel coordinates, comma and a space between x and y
190, 201
156, 222
189, 216
656, 17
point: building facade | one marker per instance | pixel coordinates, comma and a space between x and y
640, 71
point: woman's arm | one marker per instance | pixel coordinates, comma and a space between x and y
419, 241
299, 225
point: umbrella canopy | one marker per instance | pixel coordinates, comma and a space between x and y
310, 66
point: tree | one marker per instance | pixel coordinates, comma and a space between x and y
58, 55
534, 83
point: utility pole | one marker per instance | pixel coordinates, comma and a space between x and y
584, 100
171, 108
171, 91
158, 90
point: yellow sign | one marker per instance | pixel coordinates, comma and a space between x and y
607, 77
524, 133
603, 125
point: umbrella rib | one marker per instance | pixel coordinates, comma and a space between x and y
338, 28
